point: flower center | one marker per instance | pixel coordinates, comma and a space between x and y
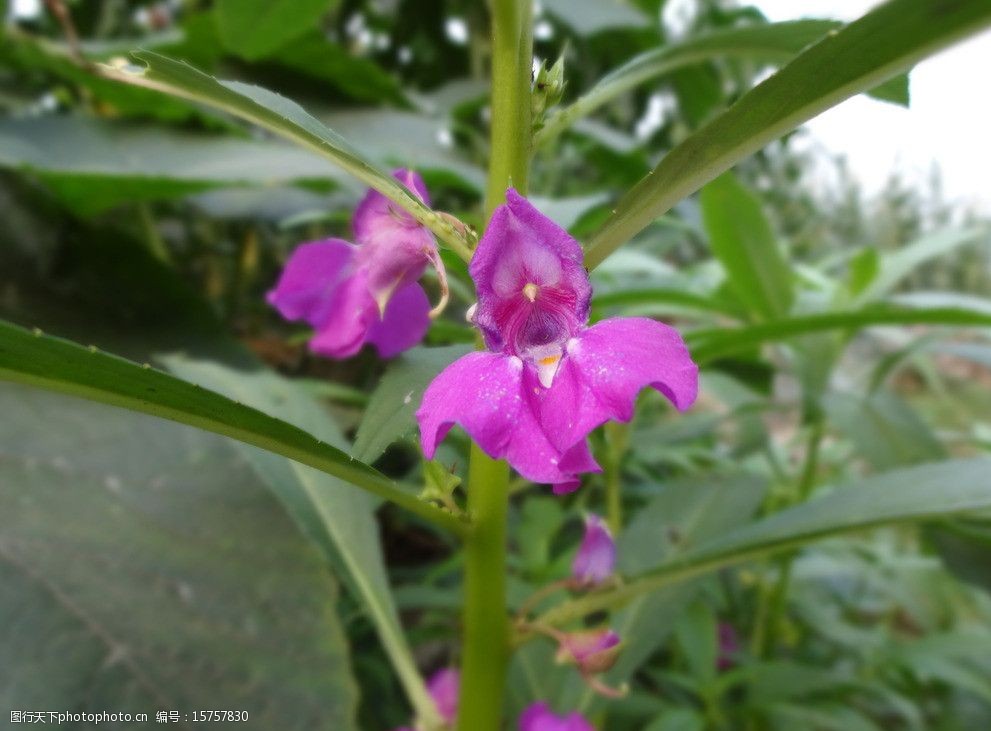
530, 291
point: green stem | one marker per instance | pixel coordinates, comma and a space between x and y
486, 645
512, 59
486, 624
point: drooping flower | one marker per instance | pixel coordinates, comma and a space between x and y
596, 557
366, 292
539, 717
547, 379
443, 687
592, 651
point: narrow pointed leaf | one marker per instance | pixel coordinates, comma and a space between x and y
284, 117
59, 365
709, 344
878, 46
771, 43
742, 240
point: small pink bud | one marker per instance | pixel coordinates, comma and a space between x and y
593, 651
596, 557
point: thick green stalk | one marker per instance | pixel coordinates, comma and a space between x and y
486, 624
512, 61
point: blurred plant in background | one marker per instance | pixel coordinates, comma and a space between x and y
844, 347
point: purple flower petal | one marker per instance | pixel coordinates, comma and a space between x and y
443, 687
405, 322
596, 556
392, 245
311, 275
606, 366
348, 314
539, 717
532, 287
483, 393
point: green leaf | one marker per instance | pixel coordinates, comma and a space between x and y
678, 719
914, 494
885, 42
254, 29
894, 267
286, 118
390, 412
144, 567
883, 429
771, 43
965, 547
864, 268
94, 164
709, 344
894, 90
697, 636
340, 520
361, 78
31, 54
742, 240
39, 360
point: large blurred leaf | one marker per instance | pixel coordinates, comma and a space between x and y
742, 240
894, 267
255, 28
588, 17
94, 164
390, 411
283, 117
884, 429
965, 547
883, 43
361, 78
919, 493
39, 360
144, 567
338, 518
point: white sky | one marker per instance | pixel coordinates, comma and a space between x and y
948, 122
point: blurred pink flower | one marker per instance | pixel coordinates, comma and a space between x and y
367, 292
539, 717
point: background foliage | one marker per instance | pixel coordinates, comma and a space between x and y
844, 345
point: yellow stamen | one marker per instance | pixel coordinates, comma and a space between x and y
530, 291
549, 360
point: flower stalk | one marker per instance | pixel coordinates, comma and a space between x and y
486, 645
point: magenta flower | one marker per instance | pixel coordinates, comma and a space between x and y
539, 717
547, 379
367, 292
593, 651
596, 556
443, 687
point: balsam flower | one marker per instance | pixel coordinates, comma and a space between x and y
596, 557
547, 379
539, 717
443, 687
367, 292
